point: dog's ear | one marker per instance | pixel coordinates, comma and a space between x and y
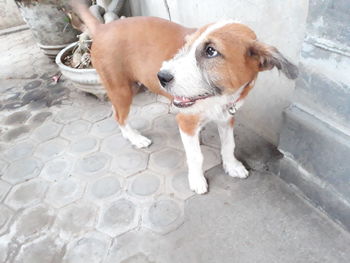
269, 57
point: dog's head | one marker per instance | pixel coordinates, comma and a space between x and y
219, 59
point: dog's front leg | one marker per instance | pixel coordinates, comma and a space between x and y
189, 129
231, 165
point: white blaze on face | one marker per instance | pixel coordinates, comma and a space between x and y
189, 81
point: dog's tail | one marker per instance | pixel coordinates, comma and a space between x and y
82, 9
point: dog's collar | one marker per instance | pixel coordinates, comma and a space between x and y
232, 107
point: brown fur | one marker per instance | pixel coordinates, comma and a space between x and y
234, 68
132, 50
188, 123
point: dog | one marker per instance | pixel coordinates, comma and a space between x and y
206, 73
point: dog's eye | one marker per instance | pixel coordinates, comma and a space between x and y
211, 52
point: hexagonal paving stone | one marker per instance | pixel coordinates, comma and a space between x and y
92, 164
5, 217
211, 156
33, 221
21, 132
134, 111
174, 140
118, 217
129, 162
17, 118
75, 219
47, 131
98, 113
22, 170
115, 144
43, 249
76, 129
168, 127
68, 115
164, 215
91, 248
105, 127
4, 250
140, 124
154, 110
167, 160
40, 117
166, 124
145, 184
14, 105
144, 98
159, 141
4, 189
210, 135
26, 194
51, 149
84, 145
178, 184
20, 150
32, 85
3, 167
105, 187
58, 169
65, 192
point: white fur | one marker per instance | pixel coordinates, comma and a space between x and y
196, 179
134, 137
190, 81
231, 165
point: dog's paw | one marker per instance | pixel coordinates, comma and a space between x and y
198, 184
140, 141
236, 169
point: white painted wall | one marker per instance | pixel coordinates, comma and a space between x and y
277, 22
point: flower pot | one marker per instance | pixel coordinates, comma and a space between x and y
49, 24
86, 80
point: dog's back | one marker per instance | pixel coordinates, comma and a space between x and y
136, 47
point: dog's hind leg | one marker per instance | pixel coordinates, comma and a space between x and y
121, 100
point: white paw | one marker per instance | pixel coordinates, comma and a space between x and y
140, 141
198, 184
236, 169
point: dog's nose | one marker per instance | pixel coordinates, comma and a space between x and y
164, 77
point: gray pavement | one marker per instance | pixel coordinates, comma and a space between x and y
73, 190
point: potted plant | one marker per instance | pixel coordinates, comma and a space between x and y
49, 23
74, 60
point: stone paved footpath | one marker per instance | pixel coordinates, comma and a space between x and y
72, 189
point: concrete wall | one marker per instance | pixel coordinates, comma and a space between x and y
279, 23
9, 14
315, 138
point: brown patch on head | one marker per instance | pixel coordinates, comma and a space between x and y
241, 57
190, 39
188, 123
231, 69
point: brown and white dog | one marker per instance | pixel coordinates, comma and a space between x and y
206, 73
